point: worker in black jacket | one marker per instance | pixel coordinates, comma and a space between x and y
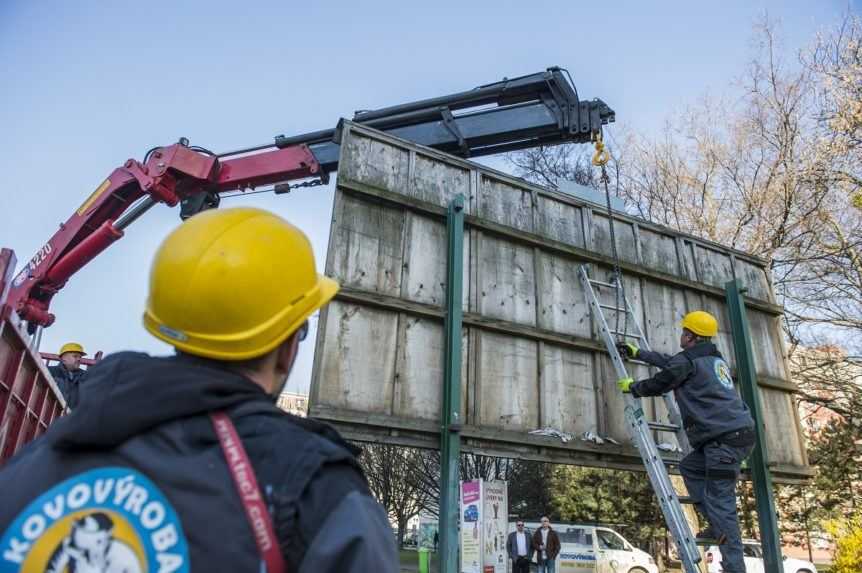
717, 422
68, 374
184, 463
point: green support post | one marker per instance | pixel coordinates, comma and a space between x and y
760, 474
450, 442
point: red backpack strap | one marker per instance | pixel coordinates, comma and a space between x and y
245, 481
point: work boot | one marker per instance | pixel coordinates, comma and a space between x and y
708, 533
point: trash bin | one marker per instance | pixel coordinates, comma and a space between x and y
424, 560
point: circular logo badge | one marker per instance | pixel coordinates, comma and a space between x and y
722, 372
107, 520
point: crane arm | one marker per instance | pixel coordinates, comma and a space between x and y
518, 113
168, 175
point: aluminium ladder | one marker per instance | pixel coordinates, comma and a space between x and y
641, 429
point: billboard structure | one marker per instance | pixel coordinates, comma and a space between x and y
532, 357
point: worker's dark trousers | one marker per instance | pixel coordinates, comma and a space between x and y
710, 474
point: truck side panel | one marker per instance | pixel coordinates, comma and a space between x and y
29, 399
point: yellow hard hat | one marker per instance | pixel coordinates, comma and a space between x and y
72, 347
701, 323
233, 284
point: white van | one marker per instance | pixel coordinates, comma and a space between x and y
753, 557
594, 549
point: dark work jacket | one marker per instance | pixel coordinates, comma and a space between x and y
68, 382
145, 420
701, 383
552, 546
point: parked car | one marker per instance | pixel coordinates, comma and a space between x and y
595, 549
753, 555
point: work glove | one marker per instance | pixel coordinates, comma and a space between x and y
627, 349
624, 384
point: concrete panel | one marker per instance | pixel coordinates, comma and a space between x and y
366, 245
563, 306
613, 402
753, 277
506, 204
372, 162
508, 385
358, 363
686, 249
532, 355
724, 340
569, 400
560, 221
765, 332
418, 392
714, 268
506, 281
624, 233
438, 183
658, 252
667, 306
424, 269
783, 442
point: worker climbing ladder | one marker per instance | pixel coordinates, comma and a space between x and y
639, 428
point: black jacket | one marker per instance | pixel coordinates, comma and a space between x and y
701, 383
68, 381
512, 545
140, 450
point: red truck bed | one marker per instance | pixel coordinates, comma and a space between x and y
29, 399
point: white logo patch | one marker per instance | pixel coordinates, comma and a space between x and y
722, 372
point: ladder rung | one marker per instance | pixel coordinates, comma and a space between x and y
603, 283
701, 542
612, 307
627, 334
661, 426
685, 499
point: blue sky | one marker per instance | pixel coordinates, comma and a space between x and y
88, 84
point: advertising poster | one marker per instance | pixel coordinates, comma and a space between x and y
427, 529
495, 514
471, 520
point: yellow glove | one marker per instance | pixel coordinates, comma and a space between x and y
628, 349
624, 384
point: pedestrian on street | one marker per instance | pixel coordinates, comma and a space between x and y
68, 374
184, 463
546, 542
519, 546
717, 422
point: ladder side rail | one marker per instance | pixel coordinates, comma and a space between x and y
604, 330
663, 487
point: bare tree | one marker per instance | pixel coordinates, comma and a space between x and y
775, 171
548, 165
391, 472
471, 466
836, 61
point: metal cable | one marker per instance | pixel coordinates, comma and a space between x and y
618, 275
